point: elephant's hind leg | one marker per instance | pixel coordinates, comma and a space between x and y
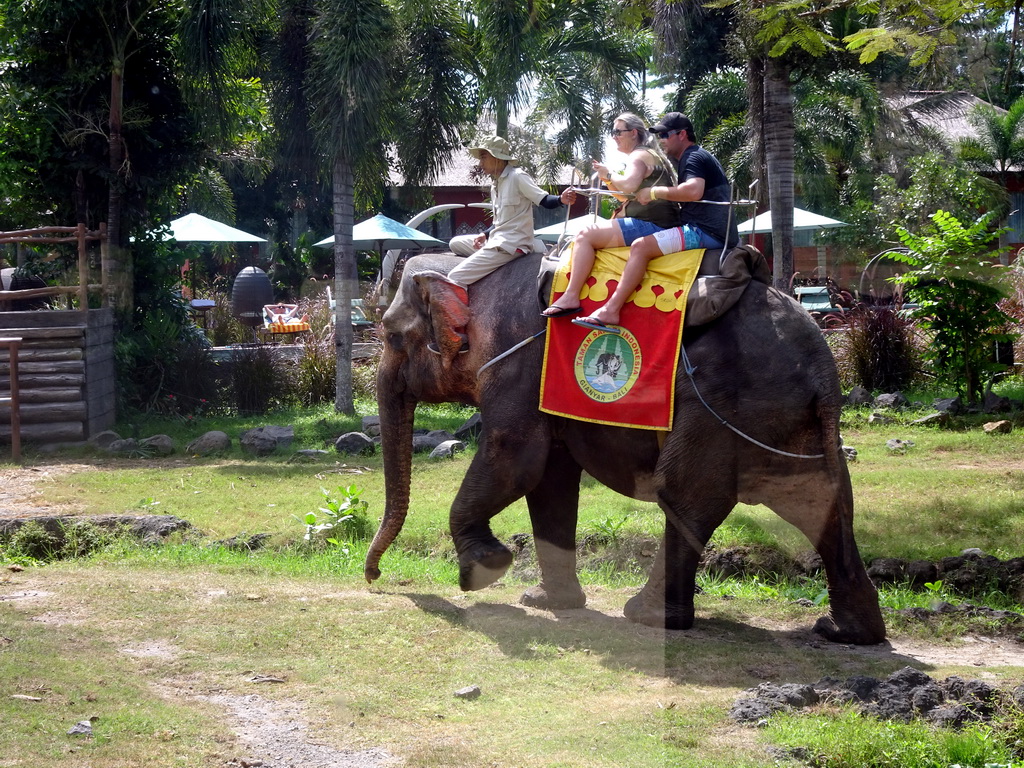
826, 519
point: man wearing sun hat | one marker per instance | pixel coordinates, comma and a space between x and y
513, 195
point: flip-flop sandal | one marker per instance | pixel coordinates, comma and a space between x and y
595, 325
561, 311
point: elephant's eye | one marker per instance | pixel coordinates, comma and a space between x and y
395, 341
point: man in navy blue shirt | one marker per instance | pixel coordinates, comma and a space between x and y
702, 225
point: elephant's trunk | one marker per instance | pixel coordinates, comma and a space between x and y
396, 422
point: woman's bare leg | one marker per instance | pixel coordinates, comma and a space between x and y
584, 254
641, 252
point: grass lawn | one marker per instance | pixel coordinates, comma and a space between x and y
175, 650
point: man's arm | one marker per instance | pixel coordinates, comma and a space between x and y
691, 189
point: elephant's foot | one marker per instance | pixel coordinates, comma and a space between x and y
651, 612
853, 632
482, 565
551, 598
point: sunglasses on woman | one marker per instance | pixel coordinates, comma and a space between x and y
619, 131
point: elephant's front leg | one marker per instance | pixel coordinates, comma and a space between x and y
554, 505
508, 465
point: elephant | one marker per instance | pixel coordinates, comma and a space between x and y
763, 366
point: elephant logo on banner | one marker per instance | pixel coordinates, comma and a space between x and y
608, 365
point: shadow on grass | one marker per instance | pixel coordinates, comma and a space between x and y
718, 652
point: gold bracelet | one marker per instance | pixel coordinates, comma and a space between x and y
653, 195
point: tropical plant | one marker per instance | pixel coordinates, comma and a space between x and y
955, 281
380, 76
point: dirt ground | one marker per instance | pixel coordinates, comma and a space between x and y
276, 736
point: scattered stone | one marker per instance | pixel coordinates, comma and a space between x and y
103, 439
887, 570
948, 405
448, 449
904, 695
879, 418
371, 426
898, 446
471, 428
81, 728
921, 572
891, 400
1001, 427
161, 445
125, 446
850, 453
263, 441
354, 443
309, 454
425, 443
937, 419
859, 396
469, 693
243, 543
993, 403
209, 444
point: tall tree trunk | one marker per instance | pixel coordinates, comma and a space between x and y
346, 283
779, 137
119, 267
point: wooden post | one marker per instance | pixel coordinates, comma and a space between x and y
12, 345
83, 270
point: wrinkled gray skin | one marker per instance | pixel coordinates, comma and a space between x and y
763, 366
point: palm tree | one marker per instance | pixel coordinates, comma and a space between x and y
579, 56
379, 76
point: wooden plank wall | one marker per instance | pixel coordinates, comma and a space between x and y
66, 374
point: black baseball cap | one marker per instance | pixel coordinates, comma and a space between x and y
673, 121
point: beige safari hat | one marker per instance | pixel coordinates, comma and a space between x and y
496, 146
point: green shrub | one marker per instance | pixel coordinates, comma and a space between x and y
259, 381
956, 281
33, 542
877, 350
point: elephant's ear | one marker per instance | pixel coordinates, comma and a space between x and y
448, 307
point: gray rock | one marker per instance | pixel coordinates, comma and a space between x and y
371, 426
211, 443
993, 403
879, 418
891, 400
354, 444
310, 454
468, 693
103, 439
471, 428
81, 728
859, 396
127, 445
263, 441
887, 570
850, 453
898, 446
950, 405
447, 449
426, 443
1001, 427
162, 445
940, 419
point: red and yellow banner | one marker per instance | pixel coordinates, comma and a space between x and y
625, 379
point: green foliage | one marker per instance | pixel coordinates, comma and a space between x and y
957, 284
32, 542
847, 739
259, 380
341, 520
877, 351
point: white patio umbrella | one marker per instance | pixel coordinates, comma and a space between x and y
381, 233
194, 228
762, 223
571, 228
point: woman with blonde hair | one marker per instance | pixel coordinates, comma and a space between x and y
645, 166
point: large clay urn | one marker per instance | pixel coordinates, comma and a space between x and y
250, 292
